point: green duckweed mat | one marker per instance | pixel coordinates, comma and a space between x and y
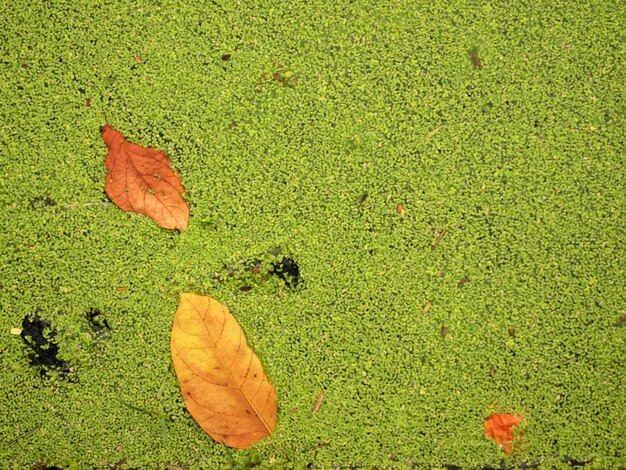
447, 176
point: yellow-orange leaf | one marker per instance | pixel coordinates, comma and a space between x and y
222, 380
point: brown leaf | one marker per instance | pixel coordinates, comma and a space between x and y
475, 58
141, 180
400, 210
439, 237
222, 380
318, 403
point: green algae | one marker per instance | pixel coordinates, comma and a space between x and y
526, 171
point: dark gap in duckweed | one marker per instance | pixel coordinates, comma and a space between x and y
38, 336
170, 147
576, 463
97, 321
503, 466
45, 201
287, 270
43, 465
249, 274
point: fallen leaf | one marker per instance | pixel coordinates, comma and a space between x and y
400, 210
222, 380
475, 58
318, 403
499, 428
141, 180
439, 237
432, 133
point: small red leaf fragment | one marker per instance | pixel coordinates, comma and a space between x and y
499, 428
400, 210
132, 185
88, 103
